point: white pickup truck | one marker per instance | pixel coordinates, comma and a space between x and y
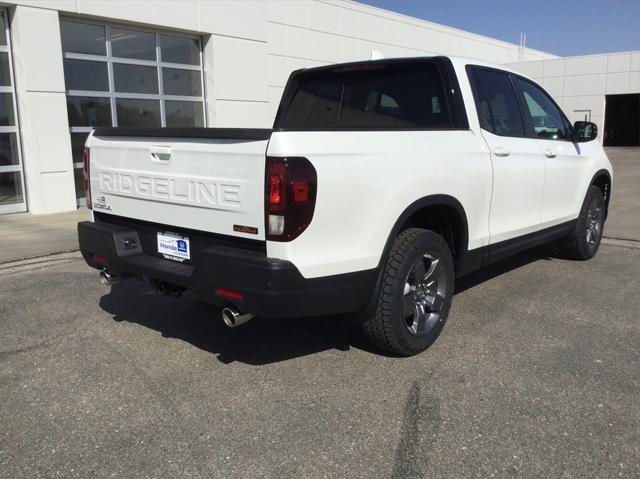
380, 183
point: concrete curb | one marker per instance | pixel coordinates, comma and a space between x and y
39, 261
621, 243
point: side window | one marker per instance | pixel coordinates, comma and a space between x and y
546, 118
497, 104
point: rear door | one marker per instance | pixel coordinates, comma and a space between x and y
518, 168
563, 163
207, 179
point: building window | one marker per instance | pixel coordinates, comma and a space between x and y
12, 197
117, 76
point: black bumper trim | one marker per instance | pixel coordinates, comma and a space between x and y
271, 287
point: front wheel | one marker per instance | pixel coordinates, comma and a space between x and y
583, 241
415, 296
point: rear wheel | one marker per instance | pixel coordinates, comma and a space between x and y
415, 296
583, 241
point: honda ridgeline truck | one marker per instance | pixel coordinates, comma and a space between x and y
380, 183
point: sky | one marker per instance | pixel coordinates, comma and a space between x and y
562, 27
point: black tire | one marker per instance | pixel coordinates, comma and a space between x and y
583, 241
396, 327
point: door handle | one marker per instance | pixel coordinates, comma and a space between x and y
501, 151
550, 154
160, 153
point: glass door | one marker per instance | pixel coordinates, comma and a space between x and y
12, 195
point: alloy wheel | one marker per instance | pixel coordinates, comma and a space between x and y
425, 289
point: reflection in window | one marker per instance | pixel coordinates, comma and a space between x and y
179, 50
144, 113
131, 44
184, 113
10, 188
8, 149
181, 82
546, 118
88, 111
5, 71
3, 30
498, 106
86, 75
6, 110
135, 78
77, 146
399, 96
83, 38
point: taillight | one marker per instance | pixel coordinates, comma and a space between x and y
86, 179
290, 190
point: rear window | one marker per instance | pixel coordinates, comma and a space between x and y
385, 97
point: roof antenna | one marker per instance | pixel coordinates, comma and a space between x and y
376, 55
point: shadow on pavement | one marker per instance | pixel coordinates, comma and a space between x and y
261, 341
546, 252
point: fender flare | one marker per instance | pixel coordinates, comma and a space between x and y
430, 200
605, 173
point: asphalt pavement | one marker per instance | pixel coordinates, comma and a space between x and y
536, 374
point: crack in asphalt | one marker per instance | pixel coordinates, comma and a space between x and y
420, 416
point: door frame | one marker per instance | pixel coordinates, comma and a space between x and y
11, 89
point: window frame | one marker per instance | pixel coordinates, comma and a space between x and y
529, 131
18, 168
109, 59
453, 101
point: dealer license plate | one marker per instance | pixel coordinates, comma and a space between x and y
174, 247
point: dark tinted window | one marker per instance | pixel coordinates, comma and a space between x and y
546, 118
387, 97
88, 111
85, 75
497, 105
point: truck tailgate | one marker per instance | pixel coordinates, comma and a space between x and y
197, 178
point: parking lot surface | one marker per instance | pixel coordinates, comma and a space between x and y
536, 374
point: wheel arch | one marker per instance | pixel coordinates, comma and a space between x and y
420, 209
602, 179
439, 213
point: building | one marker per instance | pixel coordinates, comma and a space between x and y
67, 66
604, 89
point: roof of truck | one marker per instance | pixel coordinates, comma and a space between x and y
456, 60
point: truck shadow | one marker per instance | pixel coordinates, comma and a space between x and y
260, 341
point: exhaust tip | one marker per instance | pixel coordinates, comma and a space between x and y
229, 317
107, 278
232, 317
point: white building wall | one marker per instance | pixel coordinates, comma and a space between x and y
308, 33
249, 49
42, 110
579, 84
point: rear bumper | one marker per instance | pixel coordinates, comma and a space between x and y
271, 287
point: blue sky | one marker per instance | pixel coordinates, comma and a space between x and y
565, 28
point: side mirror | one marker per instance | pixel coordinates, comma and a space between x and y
584, 131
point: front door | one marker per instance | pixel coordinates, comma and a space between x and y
562, 158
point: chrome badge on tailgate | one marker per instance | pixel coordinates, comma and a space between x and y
179, 190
